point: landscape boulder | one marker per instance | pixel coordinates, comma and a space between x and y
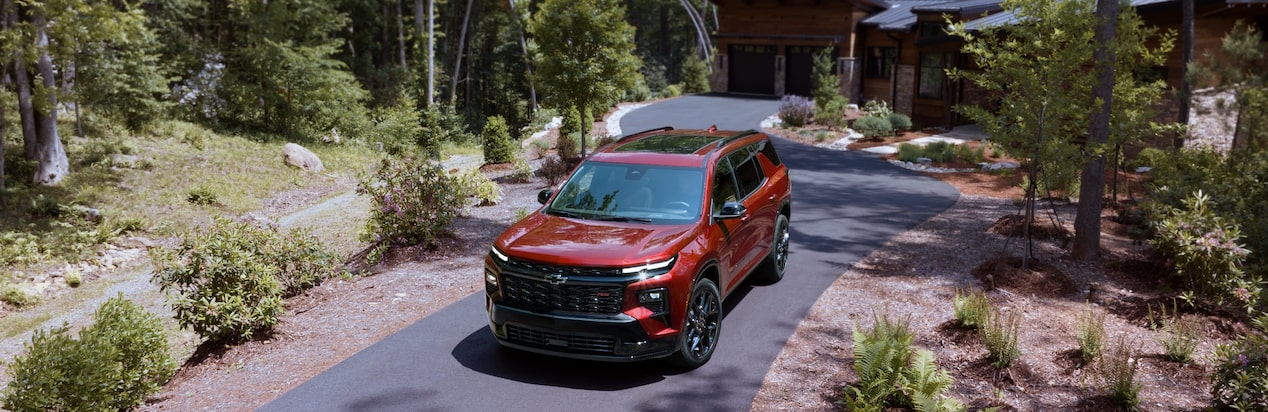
297, 156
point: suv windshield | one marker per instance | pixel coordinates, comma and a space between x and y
631, 192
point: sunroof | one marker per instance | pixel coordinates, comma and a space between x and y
669, 143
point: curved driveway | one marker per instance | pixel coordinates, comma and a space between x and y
845, 205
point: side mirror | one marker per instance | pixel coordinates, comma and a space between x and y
731, 210
544, 195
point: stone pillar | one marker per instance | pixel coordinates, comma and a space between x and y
905, 89
779, 75
721, 74
848, 68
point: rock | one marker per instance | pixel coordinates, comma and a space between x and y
124, 161
89, 214
137, 242
297, 156
924, 161
333, 137
1000, 165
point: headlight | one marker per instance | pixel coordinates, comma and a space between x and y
652, 269
498, 255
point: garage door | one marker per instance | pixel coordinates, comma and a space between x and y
752, 69
798, 77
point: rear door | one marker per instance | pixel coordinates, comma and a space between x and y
750, 235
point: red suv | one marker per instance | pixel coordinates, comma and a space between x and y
631, 258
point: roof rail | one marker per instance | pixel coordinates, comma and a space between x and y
658, 129
737, 136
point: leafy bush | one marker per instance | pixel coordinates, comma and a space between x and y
971, 310
940, 152
554, 170
521, 172
569, 146
673, 90
1241, 371
116, 362
1000, 337
832, 113
877, 108
540, 148
220, 283
1149, 157
498, 147
1117, 370
901, 122
873, 127
1204, 249
17, 296
485, 190
399, 128
571, 123
73, 278
18, 248
795, 111
414, 202
1090, 332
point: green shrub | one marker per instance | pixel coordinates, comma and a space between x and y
220, 283
400, 129
486, 191
901, 122
569, 146
414, 202
1178, 335
18, 248
571, 122
540, 148
202, 196
1241, 371
141, 348
1149, 157
521, 172
832, 114
1204, 249
1090, 332
1000, 337
795, 111
940, 151
116, 362
498, 146
972, 310
873, 127
825, 82
925, 385
73, 278
1117, 371
673, 90
694, 74
17, 296
877, 108
59, 372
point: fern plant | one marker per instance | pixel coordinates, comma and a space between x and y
1090, 333
971, 309
1000, 337
925, 383
880, 356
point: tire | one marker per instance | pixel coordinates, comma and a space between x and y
702, 326
772, 270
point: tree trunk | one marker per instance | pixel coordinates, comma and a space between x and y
1186, 51
400, 35
22, 83
462, 42
431, 52
528, 60
701, 36
1087, 222
50, 155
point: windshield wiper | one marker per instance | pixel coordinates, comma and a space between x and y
623, 219
564, 213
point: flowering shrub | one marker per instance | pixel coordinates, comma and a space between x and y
1204, 251
1241, 371
414, 202
795, 110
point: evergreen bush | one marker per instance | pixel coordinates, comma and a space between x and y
873, 127
694, 74
901, 122
498, 146
832, 113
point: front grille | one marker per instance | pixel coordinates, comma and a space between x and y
550, 339
532, 268
539, 295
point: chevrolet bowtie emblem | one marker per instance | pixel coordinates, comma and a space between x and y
555, 279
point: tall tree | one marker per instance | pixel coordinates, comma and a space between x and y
1037, 69
1087, 223
585, 53
51, 163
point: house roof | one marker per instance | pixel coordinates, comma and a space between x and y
901, 16
1006, 17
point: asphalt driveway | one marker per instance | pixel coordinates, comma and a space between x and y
845, 205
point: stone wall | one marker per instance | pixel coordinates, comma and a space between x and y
905, 88
1212, 120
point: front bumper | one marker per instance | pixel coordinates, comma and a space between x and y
617, 337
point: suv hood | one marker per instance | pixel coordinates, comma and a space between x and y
566, 241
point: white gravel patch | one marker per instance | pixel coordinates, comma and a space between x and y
614, 121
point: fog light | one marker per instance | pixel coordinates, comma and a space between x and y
655, 300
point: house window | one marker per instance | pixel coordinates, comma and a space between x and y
933, 74
1151, 74
880, 61
932, 29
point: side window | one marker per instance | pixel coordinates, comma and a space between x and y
768, 149
723, 185
748, 172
